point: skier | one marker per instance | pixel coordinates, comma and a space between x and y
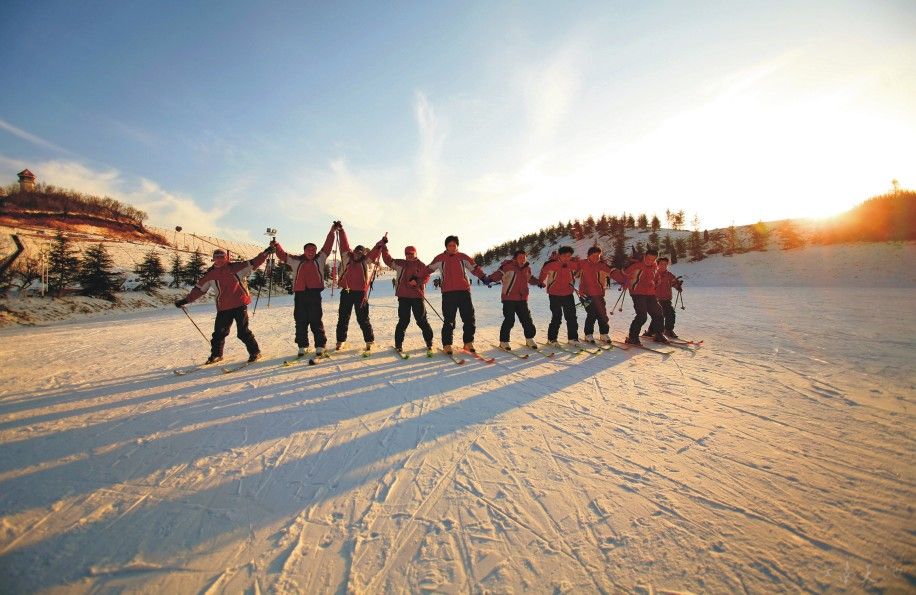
308, 283
557, 275
663, 284
641, 275
232, 299
411, 276
353, 282
516, 276
456, 292
595, 277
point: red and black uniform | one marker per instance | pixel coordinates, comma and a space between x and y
308, 283
456, 292
411, 277
664, 282
354, 283
642, 289
592, 284
558, 277
232, 299
515, 279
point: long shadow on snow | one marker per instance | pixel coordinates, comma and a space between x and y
143, 531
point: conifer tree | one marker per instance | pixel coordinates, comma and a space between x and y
176, 271
194, 270
63, 265
150, 272
97, 276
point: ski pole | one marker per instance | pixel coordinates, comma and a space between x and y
436, 313
680, 294
183, 309
371, 279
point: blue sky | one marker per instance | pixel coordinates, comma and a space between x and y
486, 120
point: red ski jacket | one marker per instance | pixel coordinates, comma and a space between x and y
593, 281
663, 284
226, 281
308, 273
455, 268
642, 278
405, 271
354, 274
558, 276
515, 279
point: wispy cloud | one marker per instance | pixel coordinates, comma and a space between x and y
432, 137
32, 138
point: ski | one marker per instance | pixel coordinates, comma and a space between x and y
662, 352
365, 353
402, 354
604, 345
562, 347
236, 368
620, 345
475, 355
596, 351
454, 357
318, 357
696, 344
676, 344
296, 360
186, 371
540, 351
510, 352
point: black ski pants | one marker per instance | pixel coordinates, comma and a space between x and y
405, 307
668, 313
646, 305
307, 313
597, 311
454, 302
349, 301
563, 306
224, 319
511, 309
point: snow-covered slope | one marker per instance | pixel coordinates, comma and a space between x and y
777, 458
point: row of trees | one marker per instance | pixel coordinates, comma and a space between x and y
47, 199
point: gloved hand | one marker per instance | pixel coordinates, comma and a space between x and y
181, 303
338, 225
270, 249
384, 240
541, 285
412, 282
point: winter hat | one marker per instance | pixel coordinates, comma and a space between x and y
409, 249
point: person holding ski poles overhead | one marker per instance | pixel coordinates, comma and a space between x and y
308, 283
594, 280
557, 275
411, 277
641, 275
353, 282
516, 276
456, 292
232, 299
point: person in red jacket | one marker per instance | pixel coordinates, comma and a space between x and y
663, 284
558, 276
456, 292
355, 268
592, 284
308, 283
642, 275
411, 277
232, 299
516, 276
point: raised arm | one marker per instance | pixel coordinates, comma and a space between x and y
329, 241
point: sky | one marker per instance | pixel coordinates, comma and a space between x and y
486, 120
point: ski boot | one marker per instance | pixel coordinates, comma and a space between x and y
254, 357
660, 338
447, 349
505, 345
214, 359
469, 347
301, 352
340, 345
671, 335
590, 339
632, 340
530, 343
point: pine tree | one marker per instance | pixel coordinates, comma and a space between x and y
631, 223
789, 235
620, 250
696, 246
656, 224
680, 248
733, 242
670, 250
643, 222
96, 274
194, 270
760, 236
150, 272
63, 265
176, 271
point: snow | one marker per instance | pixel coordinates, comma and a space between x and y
779, 457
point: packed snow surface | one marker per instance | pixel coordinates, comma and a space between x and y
778, 457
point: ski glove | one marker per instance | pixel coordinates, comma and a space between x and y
181, 303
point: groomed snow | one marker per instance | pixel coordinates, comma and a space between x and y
777, 458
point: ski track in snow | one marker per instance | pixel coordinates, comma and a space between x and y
776, 458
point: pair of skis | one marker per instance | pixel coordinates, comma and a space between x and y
225, 369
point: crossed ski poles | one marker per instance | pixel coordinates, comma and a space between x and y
270, 273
